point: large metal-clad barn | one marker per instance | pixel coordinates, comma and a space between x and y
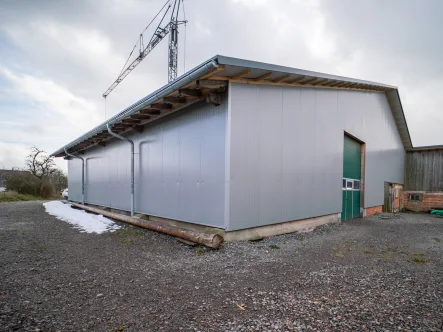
237, 145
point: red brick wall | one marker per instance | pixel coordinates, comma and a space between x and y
398, 193
429, 201
373, 210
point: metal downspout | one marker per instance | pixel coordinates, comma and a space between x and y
83, 173
109, 126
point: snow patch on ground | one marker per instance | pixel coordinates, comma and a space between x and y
2, 189
85, 222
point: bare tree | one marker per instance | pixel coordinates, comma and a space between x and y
59, 180
40, 164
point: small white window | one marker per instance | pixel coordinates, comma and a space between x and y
349, 184
356, 185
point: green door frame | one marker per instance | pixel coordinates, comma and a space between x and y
353, 168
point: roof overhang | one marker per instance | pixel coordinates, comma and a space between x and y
426, 148
207, 81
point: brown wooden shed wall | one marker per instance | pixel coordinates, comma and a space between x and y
424, 170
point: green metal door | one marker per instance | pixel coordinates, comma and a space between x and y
351, 179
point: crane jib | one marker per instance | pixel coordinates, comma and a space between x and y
160, 33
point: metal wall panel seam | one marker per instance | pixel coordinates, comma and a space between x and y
281, 150
258, 92
227, 187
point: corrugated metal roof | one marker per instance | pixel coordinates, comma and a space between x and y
194, 86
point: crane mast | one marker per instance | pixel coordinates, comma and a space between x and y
160, 33
173, 43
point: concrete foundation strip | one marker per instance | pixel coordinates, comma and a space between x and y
209, 240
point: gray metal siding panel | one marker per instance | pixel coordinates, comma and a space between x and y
245, 149
287, 151
179, 168
97, 190
120, 173
75, 179
270, 157
185, 178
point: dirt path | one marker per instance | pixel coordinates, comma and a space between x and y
384, 274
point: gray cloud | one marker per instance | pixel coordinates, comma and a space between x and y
71, 51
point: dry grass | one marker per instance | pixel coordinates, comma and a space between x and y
13, 196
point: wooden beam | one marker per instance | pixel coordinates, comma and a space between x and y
308, 81
159, 106
330, 83
190, 92
213, 72
219, 90
175, 100
211, 84
213, 98
140, 116
320, 82
99, 139
337, 84
130, 121
281, 79
100, 136
118, 129
296, 84
150, 112
263, 77
121, 124
298, 79
139, 129
241, 74
348, 85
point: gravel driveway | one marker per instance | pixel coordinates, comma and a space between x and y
367, 274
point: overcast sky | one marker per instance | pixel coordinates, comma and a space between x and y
57, 57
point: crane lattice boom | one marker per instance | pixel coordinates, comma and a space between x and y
170, 28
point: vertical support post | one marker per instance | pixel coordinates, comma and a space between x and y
109, 127
83, 173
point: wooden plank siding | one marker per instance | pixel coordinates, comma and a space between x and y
424, 170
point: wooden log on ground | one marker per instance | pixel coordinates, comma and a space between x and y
209, 240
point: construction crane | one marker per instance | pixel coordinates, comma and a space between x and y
160, 32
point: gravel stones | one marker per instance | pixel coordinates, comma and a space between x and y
54, 278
